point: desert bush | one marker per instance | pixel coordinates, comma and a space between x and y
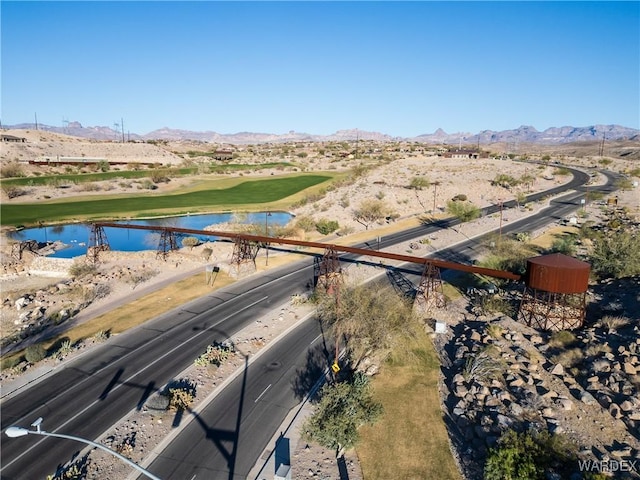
616, 255
569, 358
418, 183
64, 349
13, 191
11, 170
613, 323
505, 181
103, 166
325, 226
80, 269
461, 197
181, 393
216, 354
483, 365
530, 456
140, 276
306, 223
101, 336
370, 211
463, 211
494, 304
190, 242
562, 339
160, 176
565, 245
35, 353
495, 331
89, 187
206, 253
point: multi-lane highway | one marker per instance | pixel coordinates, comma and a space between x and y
95, 391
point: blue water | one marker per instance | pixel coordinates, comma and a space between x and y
76, 235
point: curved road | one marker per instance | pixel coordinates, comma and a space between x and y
96, 390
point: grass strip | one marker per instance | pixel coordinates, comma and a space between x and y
410, 441
131, 174
257, 192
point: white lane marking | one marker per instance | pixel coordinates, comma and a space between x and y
123, 382
263, 392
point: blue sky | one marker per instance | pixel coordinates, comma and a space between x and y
401, 68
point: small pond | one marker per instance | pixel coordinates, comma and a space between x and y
76, 236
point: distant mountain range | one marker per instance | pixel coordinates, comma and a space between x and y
523, 134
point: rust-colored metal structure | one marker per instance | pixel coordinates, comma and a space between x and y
429, 292
327, 270
167, 243
18, 248
260, 239
244, 252
554, 296
97, 242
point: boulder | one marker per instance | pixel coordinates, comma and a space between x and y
558, 369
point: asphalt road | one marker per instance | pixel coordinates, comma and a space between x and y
96, 390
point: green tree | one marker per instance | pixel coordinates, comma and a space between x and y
343, 408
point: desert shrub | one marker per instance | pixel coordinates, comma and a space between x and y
495, 304
561, 171
613, 323
418, 183
216, 354
345, 231
35, 353
64, 349
505, 181
325, 227
103, 166
569, 358
181, 393
495, 331
565, 245
190, 242
616, 255
13, 191
562, 339
306, 223
483, 365
160, 176
530, 456
140, 276
81, 269
89, 187
11, 170
206, 253
463, 211
461, 197
101, 336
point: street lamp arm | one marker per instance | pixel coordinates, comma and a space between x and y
18, 431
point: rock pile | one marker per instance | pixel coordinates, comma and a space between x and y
500, 375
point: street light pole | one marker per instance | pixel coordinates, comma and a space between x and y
20, 432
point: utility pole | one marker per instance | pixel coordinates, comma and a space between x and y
602, 144
36, 117
122, 126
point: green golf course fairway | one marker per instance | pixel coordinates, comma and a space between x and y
248, 193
